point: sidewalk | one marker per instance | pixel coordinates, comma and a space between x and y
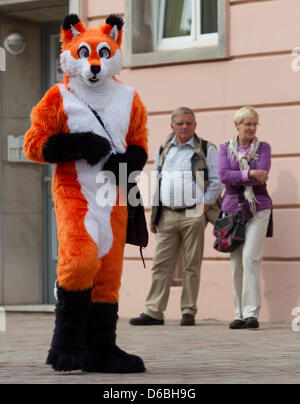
207, 353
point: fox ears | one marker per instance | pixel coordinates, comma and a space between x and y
72, 26
113, 27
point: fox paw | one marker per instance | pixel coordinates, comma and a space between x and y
67, 360
116, 361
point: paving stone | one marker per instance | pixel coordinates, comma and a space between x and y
208, 353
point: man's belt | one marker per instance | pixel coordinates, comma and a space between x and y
180, 209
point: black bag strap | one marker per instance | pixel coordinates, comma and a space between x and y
98, 117
241, 195
204, 147
141, 252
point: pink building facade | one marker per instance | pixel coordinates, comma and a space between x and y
250, 63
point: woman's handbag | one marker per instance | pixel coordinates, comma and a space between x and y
229, 230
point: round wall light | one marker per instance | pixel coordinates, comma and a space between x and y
15, 43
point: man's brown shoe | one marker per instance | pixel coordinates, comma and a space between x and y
144, 319
187, 319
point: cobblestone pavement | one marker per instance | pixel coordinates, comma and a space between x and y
208, 353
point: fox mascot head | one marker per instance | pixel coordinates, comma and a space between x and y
91, 55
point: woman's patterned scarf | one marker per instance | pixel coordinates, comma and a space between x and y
244, 163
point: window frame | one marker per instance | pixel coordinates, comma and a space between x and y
195, 39
155, 56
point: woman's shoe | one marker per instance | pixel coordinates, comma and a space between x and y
251, 322
237, 325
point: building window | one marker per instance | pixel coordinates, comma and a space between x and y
186, 23
172, 31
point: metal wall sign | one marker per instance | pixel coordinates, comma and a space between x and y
15, 152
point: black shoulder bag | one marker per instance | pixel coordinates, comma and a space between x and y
230, 228
137, 233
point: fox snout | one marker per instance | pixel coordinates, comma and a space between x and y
95, 69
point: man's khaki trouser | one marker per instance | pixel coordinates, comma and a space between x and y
175, 229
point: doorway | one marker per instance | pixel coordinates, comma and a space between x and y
51, 74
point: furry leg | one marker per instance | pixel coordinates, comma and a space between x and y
68, 348
107, 357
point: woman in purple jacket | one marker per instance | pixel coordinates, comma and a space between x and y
243, 166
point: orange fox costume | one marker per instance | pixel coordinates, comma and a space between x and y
89, 123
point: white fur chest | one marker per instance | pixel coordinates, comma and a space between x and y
112, 101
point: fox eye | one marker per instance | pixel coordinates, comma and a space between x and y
104, 53
83, 52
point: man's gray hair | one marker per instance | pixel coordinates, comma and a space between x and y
182, 111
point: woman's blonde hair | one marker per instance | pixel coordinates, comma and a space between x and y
245, 112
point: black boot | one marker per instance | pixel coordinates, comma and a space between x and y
68, 348
106, 355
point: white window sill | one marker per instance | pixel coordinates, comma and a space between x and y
191, 54
208, 40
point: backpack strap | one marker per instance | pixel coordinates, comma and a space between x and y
204, 146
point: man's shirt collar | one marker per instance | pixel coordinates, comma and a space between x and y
188, 143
